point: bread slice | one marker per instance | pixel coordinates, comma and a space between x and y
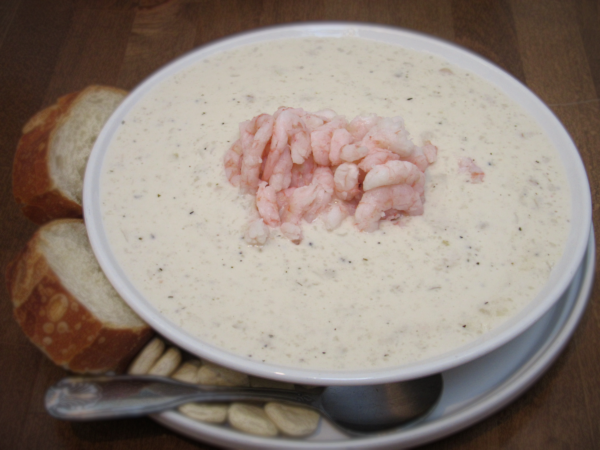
67, 307
52, 154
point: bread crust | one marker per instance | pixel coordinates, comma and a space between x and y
59, 324
33, 187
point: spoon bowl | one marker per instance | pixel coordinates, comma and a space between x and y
354, 409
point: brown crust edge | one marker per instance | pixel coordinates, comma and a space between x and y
33, 188
61, 326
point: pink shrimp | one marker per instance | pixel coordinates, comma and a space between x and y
353, 152
340, 138
292, 231
319, 165
257, 232
300, 145
281, 176
334, 214
283, 199
430, 151
279, 140
298, 203
233, 163
376, 202
321, 139
360, 125
468, 165
375, 157
266, 203
302, 174
289, 131
394, 172
346, 181
389, 134
418, 158
254, 136
312, 122
307, 203
323, 180
326, 114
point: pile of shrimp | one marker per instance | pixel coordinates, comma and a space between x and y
303, 165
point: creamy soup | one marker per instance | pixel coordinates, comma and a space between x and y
341, 299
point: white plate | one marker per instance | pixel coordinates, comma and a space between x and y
472, 391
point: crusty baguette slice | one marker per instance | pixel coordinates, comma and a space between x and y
66, 306
53, 151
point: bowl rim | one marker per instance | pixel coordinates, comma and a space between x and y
561, 275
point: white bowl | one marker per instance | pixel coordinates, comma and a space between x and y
561, 276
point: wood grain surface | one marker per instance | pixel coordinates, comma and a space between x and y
50, 48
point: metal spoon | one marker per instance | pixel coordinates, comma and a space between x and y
355, 409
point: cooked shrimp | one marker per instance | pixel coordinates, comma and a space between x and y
340, 138
468, 165
233, 163
300, 142
389, 134
283, 199
312, 122
257, 233
266, 203
430, 152
321, 139
305, 165
375, 157
418, 158
353, 152
394, 172
346, 181
376, 202
302, 174
279, 140
307, 202
291, 231
335, 214
289, 130
360, 125
324, 183
254, 136
298, 203
326, 114
281, 176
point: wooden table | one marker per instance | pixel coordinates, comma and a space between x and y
50, 48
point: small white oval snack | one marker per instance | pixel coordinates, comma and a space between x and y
293, 420
251, 419
167, 363
212, 374
188, 372
205, 412
147, 357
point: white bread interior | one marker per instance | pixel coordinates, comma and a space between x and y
72, 141
66, 306
69, 254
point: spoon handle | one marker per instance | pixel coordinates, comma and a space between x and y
84, 398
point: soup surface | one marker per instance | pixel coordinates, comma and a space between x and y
341, 299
